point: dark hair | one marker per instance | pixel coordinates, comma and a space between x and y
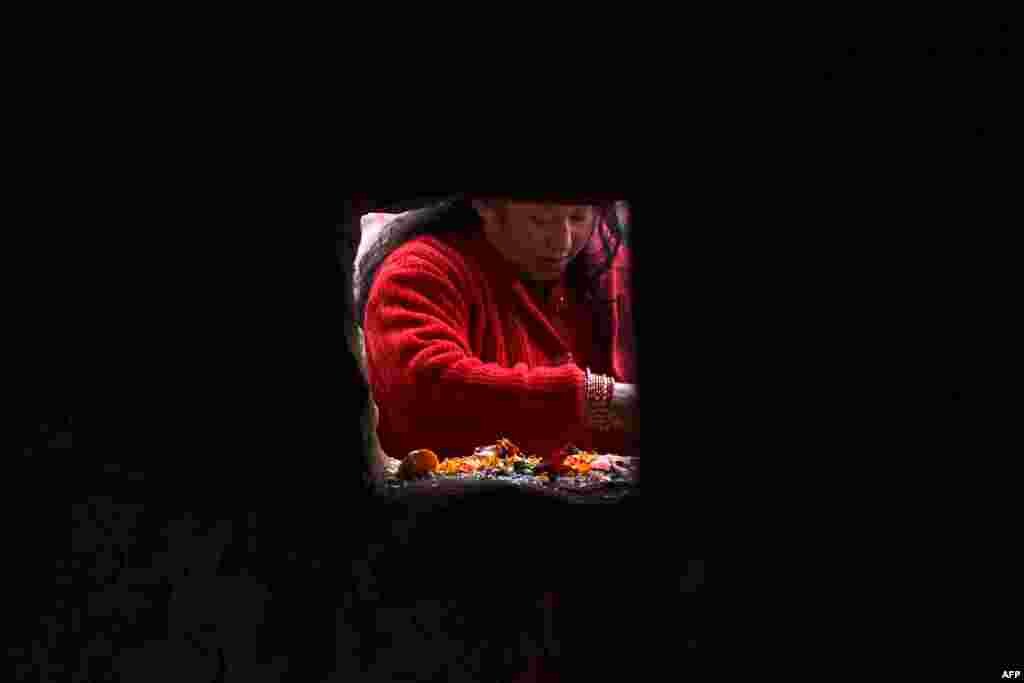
457, 214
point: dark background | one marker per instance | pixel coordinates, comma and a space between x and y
216, 532
785, 258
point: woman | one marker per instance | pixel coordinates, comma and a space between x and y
487, 318
475, 633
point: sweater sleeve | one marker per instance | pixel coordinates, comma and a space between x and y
417, 335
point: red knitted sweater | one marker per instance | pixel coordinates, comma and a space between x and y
461, 352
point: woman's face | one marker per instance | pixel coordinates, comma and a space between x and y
541, 239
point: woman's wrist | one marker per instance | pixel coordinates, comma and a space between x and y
598, 398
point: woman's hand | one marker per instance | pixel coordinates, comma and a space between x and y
625, 407
383, 465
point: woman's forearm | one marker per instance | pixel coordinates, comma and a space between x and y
624, 406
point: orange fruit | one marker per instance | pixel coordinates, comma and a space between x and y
418, 463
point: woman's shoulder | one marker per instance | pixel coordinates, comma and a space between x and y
450, 253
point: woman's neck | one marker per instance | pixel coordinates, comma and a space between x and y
542, 289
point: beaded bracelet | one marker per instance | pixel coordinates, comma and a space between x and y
599, 395
605, 402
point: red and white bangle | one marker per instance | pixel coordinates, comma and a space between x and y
606, 402
599, 398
